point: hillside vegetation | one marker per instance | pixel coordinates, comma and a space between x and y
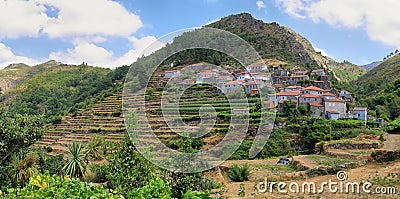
60, 89
379, 89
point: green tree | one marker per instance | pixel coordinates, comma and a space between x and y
290, 110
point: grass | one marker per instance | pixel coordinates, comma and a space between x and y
328, 160
276, 169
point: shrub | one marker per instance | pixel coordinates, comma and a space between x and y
239, 174
46, 186
195, 195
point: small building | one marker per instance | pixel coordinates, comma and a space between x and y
256, 68
346, 95
360, 113
243, 76
332, 115
318, 72
300, 72
336, 105
328, 95
252, 85
229, 87
310, 98
313, 90
281, 72
292, 88
316, 110
171, 73
294, 79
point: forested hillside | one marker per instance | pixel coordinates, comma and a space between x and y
379, 89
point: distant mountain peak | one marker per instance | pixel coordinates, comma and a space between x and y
371, 65
17, 66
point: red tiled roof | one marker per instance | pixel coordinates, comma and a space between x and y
329, 94
334, 100
295, 87
310, 96
171, 71
316, 104
313, 88
318, 70
291, 93
332, 112
360, 109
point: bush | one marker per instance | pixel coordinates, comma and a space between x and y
156, 188
46, 186
195, 195
239, 174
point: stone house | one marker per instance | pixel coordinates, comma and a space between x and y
316, 109
336, 105
360, 113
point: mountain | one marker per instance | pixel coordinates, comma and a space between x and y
273, 41
379, 89
16, 74
371, 65
55, 89
375, 80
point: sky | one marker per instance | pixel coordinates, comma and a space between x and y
109, 33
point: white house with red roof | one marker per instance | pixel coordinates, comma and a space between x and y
313, 90
318, 72
305, 99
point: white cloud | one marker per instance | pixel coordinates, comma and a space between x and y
378, 18
91, 17
261, 5
98, 56
21, 18
8, 57
74, 18
292, 7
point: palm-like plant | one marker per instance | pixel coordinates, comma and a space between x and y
76, 165
23, 168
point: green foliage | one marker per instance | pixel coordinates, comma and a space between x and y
394, 126
128, 170
55, 91
99, 173
18, 132
239, 173
195, 195
51, 164
180, 183
156, 188
75, 165
44, 186
290, 110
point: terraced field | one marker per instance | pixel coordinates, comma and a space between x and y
105, 120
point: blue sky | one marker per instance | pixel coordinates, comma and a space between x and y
112, 33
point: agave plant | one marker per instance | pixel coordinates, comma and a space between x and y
76, 165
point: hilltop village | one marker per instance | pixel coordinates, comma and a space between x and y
311, 89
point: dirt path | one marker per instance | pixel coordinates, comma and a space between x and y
392, 143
